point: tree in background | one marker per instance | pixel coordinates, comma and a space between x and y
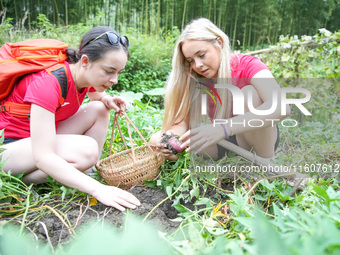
248, 22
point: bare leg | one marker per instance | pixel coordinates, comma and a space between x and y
262, 140
92, 120
79, 141
80, 151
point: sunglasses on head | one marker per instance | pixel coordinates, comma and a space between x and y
114, 39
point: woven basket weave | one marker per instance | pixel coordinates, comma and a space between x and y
132, 166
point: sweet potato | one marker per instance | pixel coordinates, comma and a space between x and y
172, 143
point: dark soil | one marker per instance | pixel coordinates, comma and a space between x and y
51, 227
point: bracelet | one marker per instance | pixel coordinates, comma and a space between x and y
225, 131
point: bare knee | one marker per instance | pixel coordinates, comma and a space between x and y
86, 155
89, 154
262, 141
250, 92
99, 109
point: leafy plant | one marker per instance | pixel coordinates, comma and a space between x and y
108, 239
311, 63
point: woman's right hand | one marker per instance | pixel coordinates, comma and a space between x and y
163, 148
115, 197
166, 152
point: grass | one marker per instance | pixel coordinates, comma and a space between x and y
231, 210
229, 216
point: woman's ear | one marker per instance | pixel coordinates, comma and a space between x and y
220, 42
84, 61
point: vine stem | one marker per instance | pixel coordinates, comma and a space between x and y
266, 178
26, 209
147, 216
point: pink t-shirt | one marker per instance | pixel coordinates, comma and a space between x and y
243, 69
41, 89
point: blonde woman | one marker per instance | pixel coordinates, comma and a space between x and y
202, 58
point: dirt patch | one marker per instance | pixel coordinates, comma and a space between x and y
57, 231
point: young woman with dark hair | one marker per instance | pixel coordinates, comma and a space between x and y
63, 141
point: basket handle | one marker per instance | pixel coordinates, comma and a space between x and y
112, 133
128, 121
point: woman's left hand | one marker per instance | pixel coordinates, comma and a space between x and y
116, 103
202, 137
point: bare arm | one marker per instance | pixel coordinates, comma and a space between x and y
44, 141
264, 83
180, 128
116, 103
44, 147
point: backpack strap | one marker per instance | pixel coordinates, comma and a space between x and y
17, 110
59, 72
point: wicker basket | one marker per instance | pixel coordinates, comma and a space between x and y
132, 166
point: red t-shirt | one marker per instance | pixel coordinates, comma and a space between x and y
41, 89
243, 69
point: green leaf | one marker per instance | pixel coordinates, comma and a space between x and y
139, 104
151, 184
178, 179
13, 243
245, 221
261, 198
156, 92
240, 201
282, 196
321, 192
204, 201
216, 230
64, 189
267, 185
181, 208
197, 242
195, 192
111, 241
266, 237
298, 199
168, 190
131, 96
2, 138
334, 196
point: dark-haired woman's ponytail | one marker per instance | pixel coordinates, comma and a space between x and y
73, 55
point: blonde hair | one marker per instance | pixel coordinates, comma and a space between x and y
178, 98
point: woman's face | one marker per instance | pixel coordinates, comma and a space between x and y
203, 57
104, 72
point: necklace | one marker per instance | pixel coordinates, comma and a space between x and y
76, 87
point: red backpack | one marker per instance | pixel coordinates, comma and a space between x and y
21, 58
